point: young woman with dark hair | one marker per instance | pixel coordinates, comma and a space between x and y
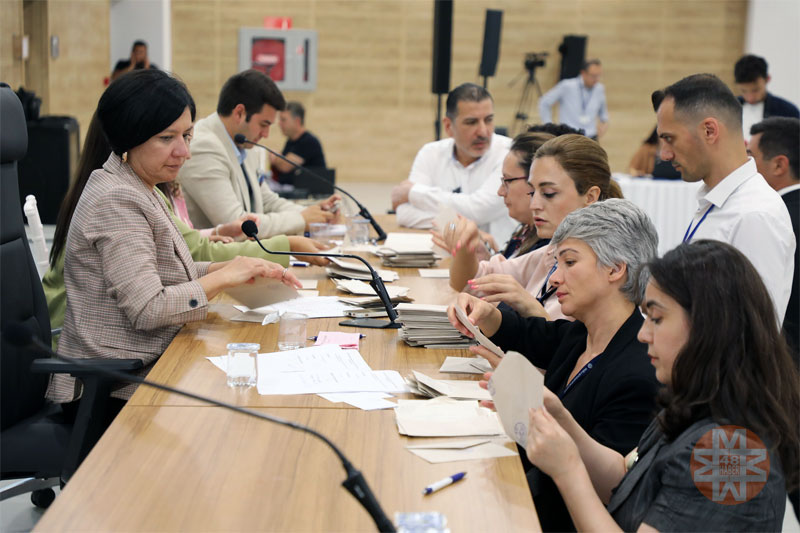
714, 341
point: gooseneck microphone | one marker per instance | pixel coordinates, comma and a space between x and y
18, 334
250, 229
241, 139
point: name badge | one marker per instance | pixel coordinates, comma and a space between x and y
584, 119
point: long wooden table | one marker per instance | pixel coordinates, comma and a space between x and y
172, 464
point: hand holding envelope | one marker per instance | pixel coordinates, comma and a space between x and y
516, 387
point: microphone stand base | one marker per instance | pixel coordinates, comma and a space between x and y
372, 323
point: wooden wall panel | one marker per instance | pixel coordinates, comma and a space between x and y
373, 108
12, 69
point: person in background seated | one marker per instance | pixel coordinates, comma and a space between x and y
751, 76
462, 172
595, 365
700, 126
568, 172
644, 159
220, 247
302, 146
775, 147
131, 282
713, 340
222, 181
138, 60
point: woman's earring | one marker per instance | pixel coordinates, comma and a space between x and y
124, 157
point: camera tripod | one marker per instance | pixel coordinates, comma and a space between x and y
521, 116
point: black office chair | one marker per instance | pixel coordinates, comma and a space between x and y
37, 442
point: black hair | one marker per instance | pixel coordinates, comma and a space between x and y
95, 152
700, 96
466, 92
735, 366
780, 136
138, 42
555, 129
589, 62
297, 110
653, 138
749, 68
140, 104
253, 89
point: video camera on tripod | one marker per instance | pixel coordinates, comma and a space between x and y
533, 60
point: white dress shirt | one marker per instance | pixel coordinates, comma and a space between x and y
749, 215
436, 173
751, 114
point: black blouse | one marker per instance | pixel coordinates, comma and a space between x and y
614, 401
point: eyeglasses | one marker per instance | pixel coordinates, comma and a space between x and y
506, 181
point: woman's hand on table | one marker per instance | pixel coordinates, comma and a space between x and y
242, 269
304, 244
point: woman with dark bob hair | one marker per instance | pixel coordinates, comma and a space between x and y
723, 452
130, 280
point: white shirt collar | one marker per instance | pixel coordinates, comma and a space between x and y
720, 194
790, 188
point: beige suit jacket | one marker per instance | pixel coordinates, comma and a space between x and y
130, 279
215, 187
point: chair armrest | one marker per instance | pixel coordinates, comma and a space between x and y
57, 366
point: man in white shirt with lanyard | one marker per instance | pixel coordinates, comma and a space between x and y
581, 100
462, 172
700, 126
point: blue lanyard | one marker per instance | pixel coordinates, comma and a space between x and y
579, 376
546, 293
687, 237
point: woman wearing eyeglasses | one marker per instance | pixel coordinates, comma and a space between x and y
568, 172
595, 364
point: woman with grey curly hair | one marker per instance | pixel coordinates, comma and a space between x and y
595, 365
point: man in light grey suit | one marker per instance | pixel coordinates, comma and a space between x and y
221, 180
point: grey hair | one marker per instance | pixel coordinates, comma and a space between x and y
618, 232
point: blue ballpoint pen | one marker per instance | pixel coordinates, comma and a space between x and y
443, 483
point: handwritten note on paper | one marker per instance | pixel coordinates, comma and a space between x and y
340, 338
516, 386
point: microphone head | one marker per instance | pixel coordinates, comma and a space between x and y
240, 139
250, 229
17, 334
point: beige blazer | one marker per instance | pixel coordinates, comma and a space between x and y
215, 187
130, 279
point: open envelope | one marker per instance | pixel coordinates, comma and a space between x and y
461, 450
445, 417
516, 386
465, 365
461, 389
480, 337
263, 291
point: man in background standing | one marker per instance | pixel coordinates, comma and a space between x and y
582, 101
302, 147
751, 77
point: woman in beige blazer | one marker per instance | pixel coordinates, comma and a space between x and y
130, 279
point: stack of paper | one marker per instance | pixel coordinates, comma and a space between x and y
424, 385
359, 288
372, 302
428, 326
408, 250
340, 268
445, 417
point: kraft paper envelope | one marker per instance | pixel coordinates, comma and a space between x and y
461, 389
263, 291
445, 417
465, 365
516, 386
480, 337
462, 450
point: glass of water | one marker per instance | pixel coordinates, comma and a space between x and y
242, 364
292, 331
357, 230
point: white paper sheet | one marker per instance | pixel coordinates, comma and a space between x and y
408, 242
445, 417
466, 365
361, 288
309, 283
516, 386
462, 450
366, 401
443, 273
313, 307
